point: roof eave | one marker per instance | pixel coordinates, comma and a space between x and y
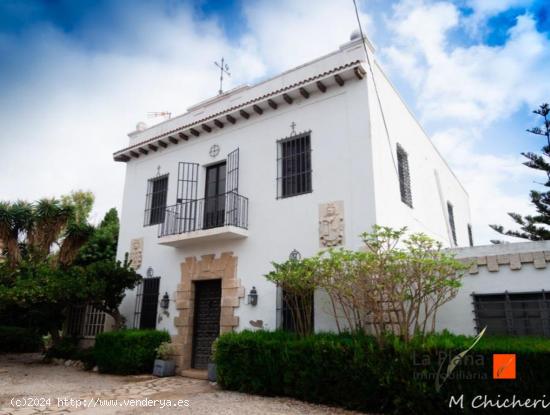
318, 84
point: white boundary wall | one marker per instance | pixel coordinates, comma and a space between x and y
513, 267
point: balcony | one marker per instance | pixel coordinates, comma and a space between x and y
213, 218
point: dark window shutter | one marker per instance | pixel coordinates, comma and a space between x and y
232, 180
450, 210
149, 303
147, 295
404, 176
232, 188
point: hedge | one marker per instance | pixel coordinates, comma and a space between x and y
355, 372
67, 348
128, 351
19, 340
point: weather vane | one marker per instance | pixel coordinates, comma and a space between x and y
223, 69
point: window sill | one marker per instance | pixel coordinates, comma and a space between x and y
291, 196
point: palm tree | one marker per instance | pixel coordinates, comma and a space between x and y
15, 221
74, 238
50, 219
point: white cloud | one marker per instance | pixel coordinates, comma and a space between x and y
424, 27
474, 84
492, 181
289, 32
484, 9
464, 90
69, 107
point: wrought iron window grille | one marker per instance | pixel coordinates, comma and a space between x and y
294, 172
155, 200
513, 314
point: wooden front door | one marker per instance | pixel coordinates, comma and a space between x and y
206, 326
214, 199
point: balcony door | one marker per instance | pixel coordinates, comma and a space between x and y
214, 199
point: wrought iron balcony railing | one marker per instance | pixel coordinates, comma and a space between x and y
228, 209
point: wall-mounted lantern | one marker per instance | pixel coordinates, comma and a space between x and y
295, 255
165, 301
253, 296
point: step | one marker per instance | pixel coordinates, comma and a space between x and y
195, 374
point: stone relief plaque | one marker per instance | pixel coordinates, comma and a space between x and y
136, 252
331, 224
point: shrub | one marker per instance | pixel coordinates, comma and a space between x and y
406, 279
67, 348
323, 368
128, 351
87, 357
165, 350
19, 340
357, 372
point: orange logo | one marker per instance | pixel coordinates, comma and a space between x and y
504, 366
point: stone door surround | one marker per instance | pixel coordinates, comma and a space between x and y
208, 267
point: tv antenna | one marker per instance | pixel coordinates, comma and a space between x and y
223, 69
167, 115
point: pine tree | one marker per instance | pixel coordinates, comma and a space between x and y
535, 227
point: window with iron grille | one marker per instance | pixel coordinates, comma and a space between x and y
155, 201
85, 321
513, 314
75, 320
450, 211
291, 308
404, 176
470, 235
294, 165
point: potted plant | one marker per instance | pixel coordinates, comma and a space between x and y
163, 365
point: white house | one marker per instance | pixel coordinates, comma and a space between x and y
292, 164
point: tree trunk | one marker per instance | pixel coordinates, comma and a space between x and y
119, 319
14, 253
56, 338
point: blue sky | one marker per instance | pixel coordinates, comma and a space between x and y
76, 76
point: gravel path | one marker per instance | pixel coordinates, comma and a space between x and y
25, 376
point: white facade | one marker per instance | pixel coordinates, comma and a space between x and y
351, 161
